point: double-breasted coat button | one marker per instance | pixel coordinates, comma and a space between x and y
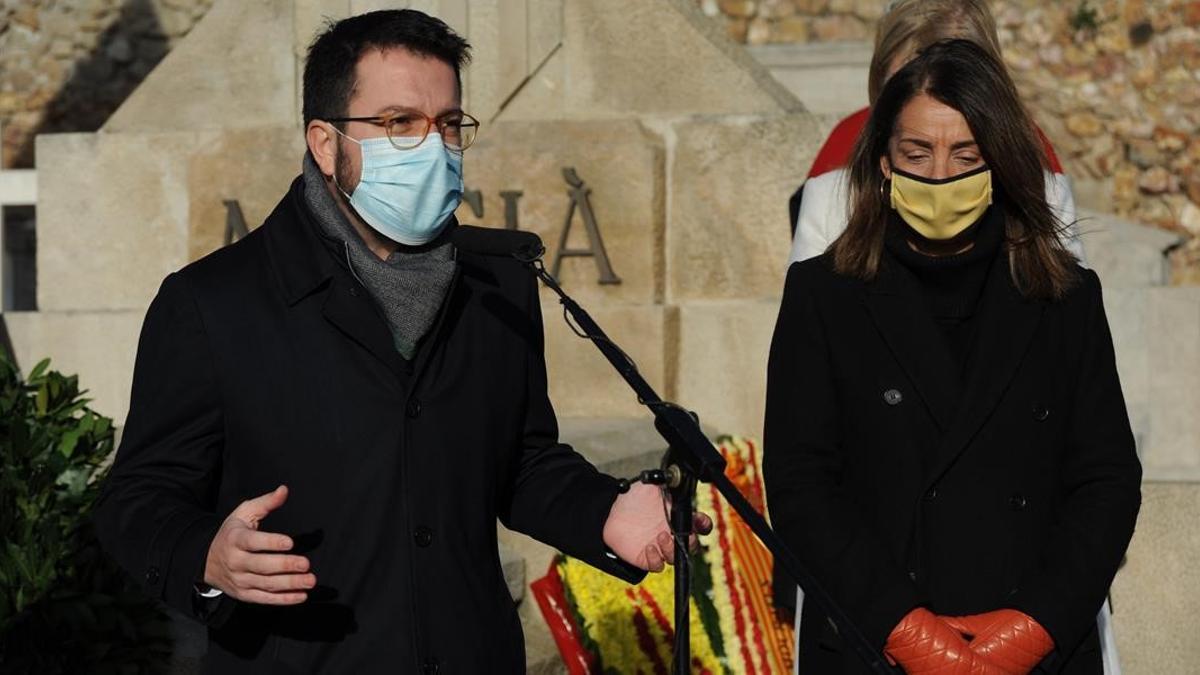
414, 408
1017, 501
1040, 412
423, 536
354, 291
152, 575
430, 667
893, 397
932, 494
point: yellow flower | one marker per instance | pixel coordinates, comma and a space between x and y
608, 613
630, 627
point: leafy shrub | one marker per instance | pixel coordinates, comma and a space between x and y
64, 606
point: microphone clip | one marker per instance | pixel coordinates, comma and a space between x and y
671, 476
530, 253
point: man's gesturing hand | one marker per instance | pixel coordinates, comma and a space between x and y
248, 565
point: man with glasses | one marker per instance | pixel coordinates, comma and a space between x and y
329, 416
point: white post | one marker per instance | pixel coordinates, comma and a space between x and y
18, 187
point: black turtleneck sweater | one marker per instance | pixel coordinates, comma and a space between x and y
951, 285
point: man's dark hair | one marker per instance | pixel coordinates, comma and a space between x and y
329, 69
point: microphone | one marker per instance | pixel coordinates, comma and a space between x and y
491, 241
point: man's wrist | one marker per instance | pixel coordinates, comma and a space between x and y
206, 591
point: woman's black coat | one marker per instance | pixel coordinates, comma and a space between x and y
267, 363
900, 484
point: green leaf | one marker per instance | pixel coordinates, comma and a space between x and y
16, 554
72, 408
39, 369
69, 440
74, 480
43, 400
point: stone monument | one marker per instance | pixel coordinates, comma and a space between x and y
686, 149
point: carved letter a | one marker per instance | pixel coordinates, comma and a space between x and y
578, 192
235, 222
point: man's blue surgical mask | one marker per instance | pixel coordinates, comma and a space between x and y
407, 196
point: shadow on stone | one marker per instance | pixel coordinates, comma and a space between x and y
124, 55
6, 342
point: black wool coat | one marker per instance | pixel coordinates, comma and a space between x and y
898, 483
266, 363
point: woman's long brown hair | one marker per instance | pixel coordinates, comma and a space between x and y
966, 78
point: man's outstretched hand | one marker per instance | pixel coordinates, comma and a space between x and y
251, 566
638, 532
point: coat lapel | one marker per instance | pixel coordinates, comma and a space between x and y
305, 263
349, 307
434, 338
1005, 327
899, 313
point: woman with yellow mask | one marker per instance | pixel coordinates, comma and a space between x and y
947, 447
818, 208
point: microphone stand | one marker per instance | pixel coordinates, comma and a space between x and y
691, 457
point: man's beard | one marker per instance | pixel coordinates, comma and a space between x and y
343, 172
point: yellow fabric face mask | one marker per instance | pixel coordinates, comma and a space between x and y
941, 209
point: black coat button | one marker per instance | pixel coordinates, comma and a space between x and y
152, 575
354, 291
423, 536
931, 495
893, 397
1040, 413
1017, 501
414, 408
430, 667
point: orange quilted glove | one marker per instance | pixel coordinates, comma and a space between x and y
1006, 637
923, 644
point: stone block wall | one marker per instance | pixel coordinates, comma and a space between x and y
758, 22
1115, 85
66, 65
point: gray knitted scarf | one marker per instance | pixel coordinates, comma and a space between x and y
409, 287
